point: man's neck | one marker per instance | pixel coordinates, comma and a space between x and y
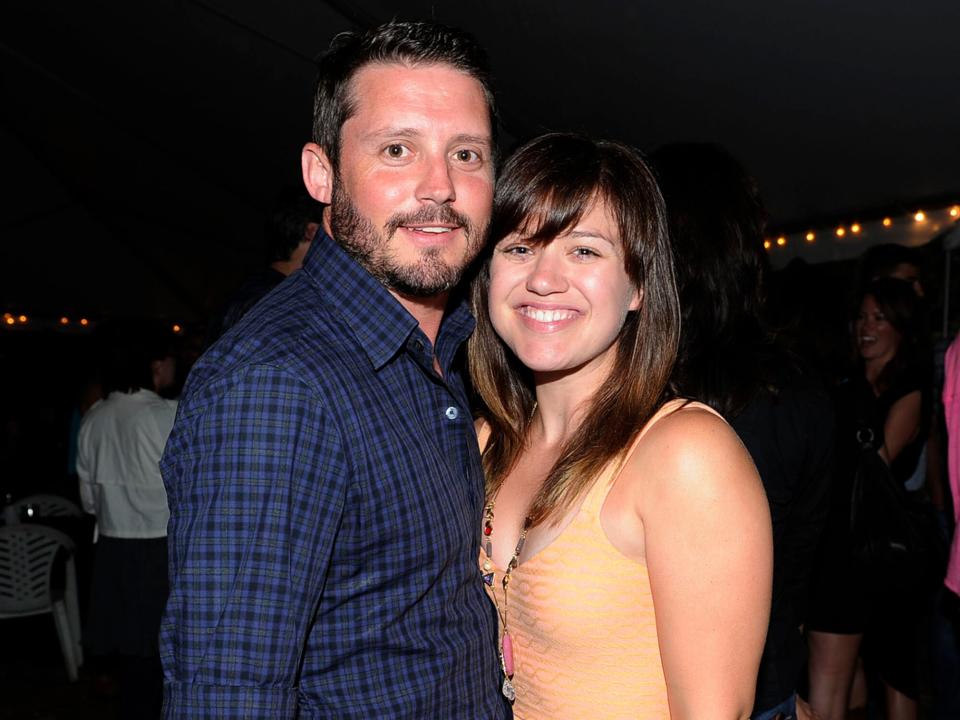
284, 266
428, 311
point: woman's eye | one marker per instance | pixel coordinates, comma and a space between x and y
585, 252
519, 250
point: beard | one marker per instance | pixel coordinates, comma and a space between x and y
430, 274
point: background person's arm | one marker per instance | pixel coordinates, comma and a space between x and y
256, 480
901, 426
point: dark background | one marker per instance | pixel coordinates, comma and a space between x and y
142, 142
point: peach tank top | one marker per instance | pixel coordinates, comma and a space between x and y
582, 624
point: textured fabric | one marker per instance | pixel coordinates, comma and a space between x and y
119, 446
583, 628
325, 491
951, 409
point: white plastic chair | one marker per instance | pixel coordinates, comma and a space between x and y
43, 505
27, 555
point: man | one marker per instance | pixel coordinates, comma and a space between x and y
118, 448
293, 222
323, 475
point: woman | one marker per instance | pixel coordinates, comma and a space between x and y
886, 397
627, 541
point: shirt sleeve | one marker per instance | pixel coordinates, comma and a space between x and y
88, 500
256, 479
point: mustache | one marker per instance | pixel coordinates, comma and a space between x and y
424, 216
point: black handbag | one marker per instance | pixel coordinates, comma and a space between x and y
892, 532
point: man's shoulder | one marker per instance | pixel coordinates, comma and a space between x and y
292, 335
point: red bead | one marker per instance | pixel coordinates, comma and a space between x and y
487, 529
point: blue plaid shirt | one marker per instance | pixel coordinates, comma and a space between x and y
326, 491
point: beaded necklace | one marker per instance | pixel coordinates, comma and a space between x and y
506, 643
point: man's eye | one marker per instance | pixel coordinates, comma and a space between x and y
585, 252
396, 151
467, 156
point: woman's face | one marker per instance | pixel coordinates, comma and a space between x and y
876, 338
560, 305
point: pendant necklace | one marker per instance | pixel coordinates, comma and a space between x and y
506, 643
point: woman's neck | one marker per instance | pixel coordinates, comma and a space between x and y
563, 399
872, 369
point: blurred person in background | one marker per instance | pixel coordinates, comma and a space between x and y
119, 445
730, 360
886, 396
289, 231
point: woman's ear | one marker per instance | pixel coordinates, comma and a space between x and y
637, 299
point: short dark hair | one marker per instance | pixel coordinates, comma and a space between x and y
406, 43
882, 260
292, 211
127, 349
545, 189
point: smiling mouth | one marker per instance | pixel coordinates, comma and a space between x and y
547, 316
431, 229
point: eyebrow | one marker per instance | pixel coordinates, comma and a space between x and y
590, 234
408, 132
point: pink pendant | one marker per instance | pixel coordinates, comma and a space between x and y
506, 647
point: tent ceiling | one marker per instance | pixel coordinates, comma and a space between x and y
143, 141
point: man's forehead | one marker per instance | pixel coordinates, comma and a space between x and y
379, 87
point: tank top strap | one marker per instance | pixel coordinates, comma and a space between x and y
598, 492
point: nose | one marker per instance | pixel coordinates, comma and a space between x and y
436, 182
546, 272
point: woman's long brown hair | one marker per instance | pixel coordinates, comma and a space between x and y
544, 190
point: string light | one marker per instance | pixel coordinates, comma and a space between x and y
22, 319
64, 320
955, 211
920, 216
841, 231
10, 320
887, 222
855, 228
84, 322
177, 329
781, 241
810, 237
767, 244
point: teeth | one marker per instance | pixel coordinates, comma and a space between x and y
436, 230
547, 316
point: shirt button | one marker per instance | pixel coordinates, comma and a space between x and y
452, 413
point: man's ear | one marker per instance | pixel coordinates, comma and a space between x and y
317, 172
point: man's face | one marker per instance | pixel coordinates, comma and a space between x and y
412, 195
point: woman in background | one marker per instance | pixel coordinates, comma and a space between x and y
887, 396
731, 361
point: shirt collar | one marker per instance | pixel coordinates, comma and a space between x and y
380, 323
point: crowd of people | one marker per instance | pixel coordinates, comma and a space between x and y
518, 439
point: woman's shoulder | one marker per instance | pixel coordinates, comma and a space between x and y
689, 447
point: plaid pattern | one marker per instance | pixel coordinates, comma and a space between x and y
325, 493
